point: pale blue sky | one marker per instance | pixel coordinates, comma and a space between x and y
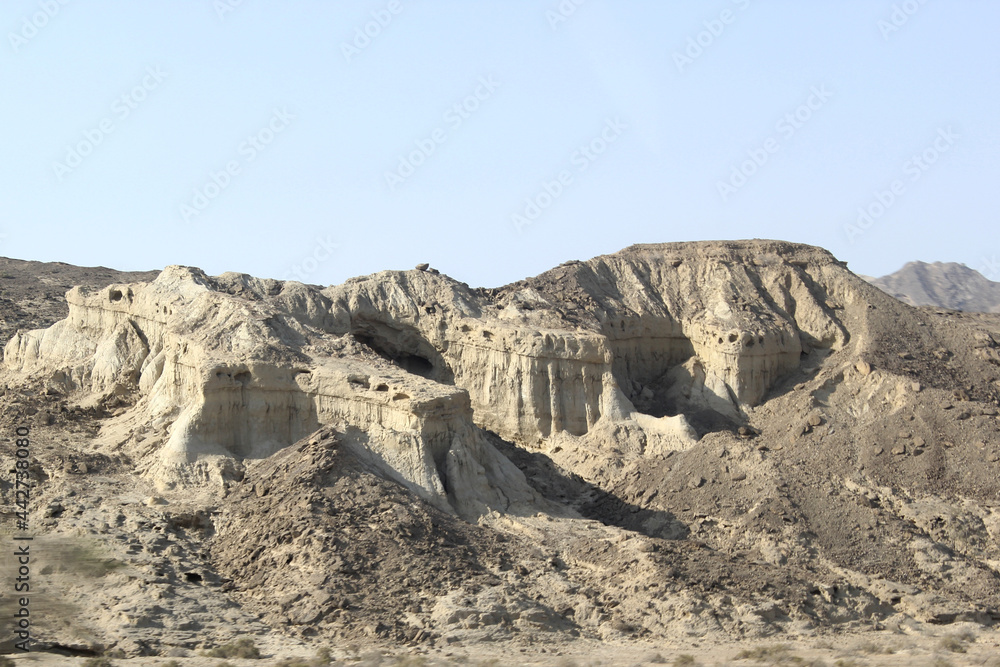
183, 84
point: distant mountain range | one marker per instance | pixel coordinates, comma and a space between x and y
941, 284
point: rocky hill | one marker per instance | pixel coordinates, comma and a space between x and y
701, 442
943, 285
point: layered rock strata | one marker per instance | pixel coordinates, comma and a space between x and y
412, 364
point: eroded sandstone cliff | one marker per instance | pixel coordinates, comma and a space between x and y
230, 369
415, 363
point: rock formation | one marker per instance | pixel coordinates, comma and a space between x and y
238, 368
719, 438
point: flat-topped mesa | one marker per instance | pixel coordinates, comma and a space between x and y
739, 313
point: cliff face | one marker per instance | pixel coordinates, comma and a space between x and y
414, 364
524, 383
708, 326
743, 311
227, 369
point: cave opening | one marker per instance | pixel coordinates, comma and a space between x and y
657, 368
405, 348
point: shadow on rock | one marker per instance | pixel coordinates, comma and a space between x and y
590, 500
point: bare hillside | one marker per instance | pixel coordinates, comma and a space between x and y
944, 285
720, 443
